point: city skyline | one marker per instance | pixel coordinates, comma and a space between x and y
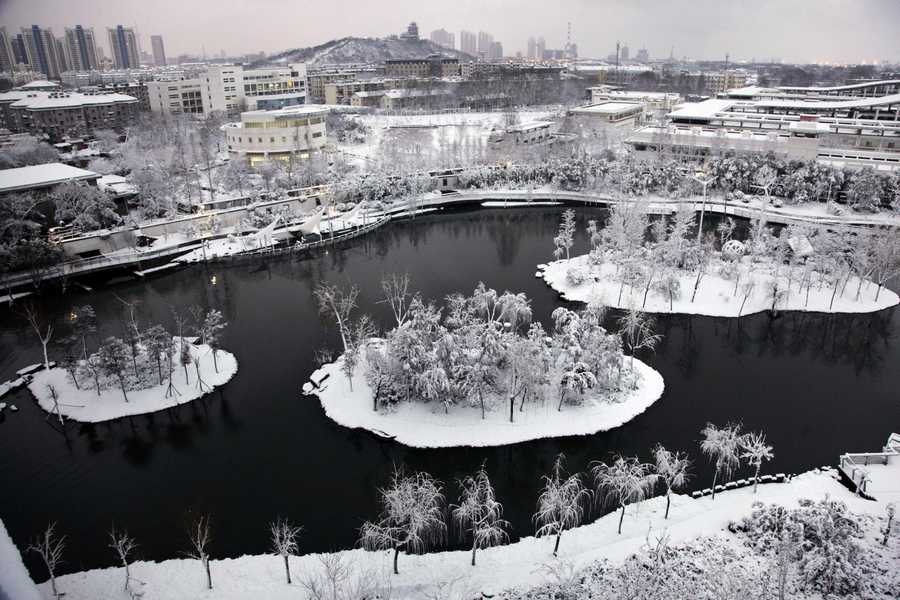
596, 25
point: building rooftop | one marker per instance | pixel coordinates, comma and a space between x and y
50, 100
40, 85
529, 126
40, 176
298, 110
701, 110
608, 108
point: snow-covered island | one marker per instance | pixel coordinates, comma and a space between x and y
147, 370
480, 373
669, 270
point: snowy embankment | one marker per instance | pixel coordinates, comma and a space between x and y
424, 425
86, 406
15, 583
716, 296
444, 574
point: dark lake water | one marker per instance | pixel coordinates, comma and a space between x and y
256, 449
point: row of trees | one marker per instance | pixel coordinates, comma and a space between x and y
414, 513
655, 256
484, 350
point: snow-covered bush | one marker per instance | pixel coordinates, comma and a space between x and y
576, 275
826, 540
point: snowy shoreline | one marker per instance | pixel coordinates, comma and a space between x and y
715, 295
85, 406
518, 565
421, 426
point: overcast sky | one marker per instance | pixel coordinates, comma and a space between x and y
793, 30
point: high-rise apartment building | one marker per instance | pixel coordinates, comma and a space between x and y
485, 41
496, 52
81, 49
468, 42
159, 50
444, 38
41, 50
124, 47
625, 54
7, 58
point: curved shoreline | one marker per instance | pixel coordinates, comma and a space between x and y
419, 426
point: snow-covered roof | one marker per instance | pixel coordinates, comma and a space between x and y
40, 84
840, 88
701, 110
40, 176
298, 110
529, 126
51, 100
836, 104
608, 108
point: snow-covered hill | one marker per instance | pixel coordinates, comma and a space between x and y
365, 50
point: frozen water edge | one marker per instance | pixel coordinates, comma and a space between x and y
715, 295
84, 405
423, 425
518, 565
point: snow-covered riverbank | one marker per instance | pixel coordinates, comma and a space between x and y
448, 574
86, 406
716, 296
427, 426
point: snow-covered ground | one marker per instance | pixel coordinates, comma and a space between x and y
423, 425
716, 296
15, 583
447, 574
86, 406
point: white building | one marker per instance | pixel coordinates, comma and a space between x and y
277, 134
613, 114
232, 88
176, 96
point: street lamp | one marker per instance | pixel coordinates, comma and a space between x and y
698, 177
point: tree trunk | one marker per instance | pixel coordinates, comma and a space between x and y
396, 554
512, 406
756, 478
887, 530
187, 379
481, 401
122, 383
208, 574
474, 548
621, 518
287, 568
668, 503
47, 360
715, 476
215, 362
562, 396
556, 546
697, 284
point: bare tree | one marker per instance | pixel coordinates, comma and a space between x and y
756, 451
412, 518
123, 545
337, 304
672, 470
397, 295
478, 512
343, 579
624, 481
284, 542
561, 503
43, 329
360, 332
200, 534
723, 446
50, 547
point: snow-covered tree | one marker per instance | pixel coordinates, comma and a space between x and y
284, 542
200, 534
42, 327
637, 331
49, 545
360, 332
397, 295
113, 356
478, 513
624, 481
756, 451
723, 445
338, 305
412, 517
561, 503
158, 343
565, 238
123, 545
672, 469
211, 332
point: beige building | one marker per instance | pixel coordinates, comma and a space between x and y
277, 134
434, 65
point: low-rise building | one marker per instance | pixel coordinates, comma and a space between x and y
176, 96
616, 114
435, 65
42, 178
341, 92
60, 114
277, 134
535, 132
403, 99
